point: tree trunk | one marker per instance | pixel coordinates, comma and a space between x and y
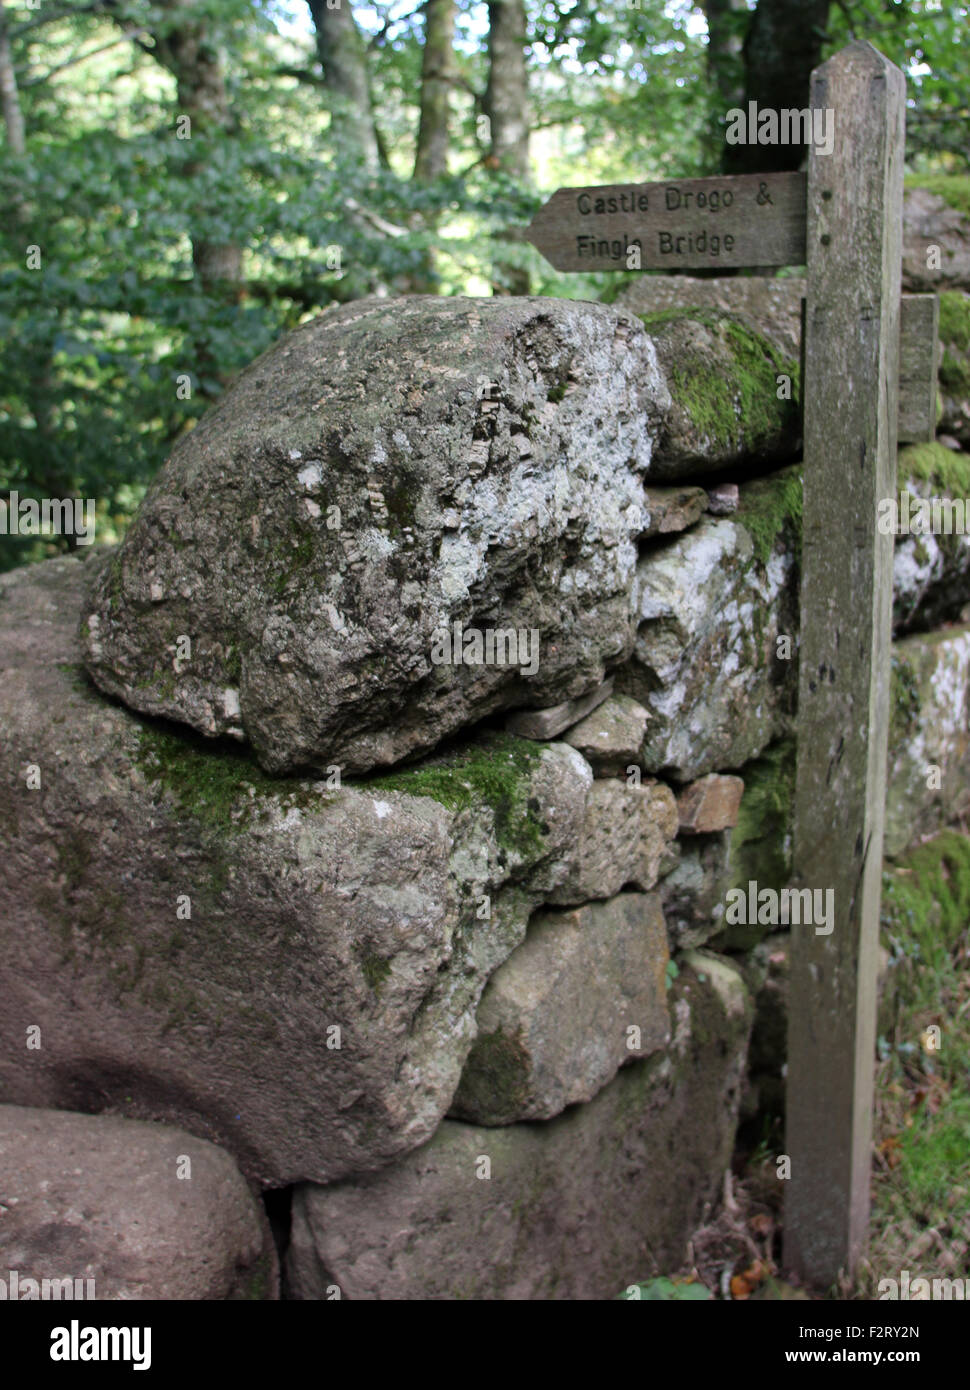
506, 104
200, 78
783, 45
13, 119
727, 21
437, 73
344, 61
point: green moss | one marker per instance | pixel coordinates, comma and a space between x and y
955, 337
769, 506
904, 700
212, 783
945, 469
496, 1075
375, 969
495, 771
732, 407
954, 189
926, 897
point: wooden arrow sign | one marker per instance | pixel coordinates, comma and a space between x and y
685, 224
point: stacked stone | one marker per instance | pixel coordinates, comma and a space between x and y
439, 943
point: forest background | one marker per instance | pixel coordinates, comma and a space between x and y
183, 180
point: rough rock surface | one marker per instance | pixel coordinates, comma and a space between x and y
610, 738
709, 804
931, 572
929, 756
387, 471
930, 219
728, 407
379, 910
672, 509
100, 1197
625, 836
574, 1208
693, 892
582, 996
704, 663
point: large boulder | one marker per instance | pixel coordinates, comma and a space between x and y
141, 1211
347, 536
576, 1207
288, 968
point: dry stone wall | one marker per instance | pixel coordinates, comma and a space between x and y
439, 940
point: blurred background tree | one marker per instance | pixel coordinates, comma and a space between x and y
182, 180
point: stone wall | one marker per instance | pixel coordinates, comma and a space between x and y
440, 946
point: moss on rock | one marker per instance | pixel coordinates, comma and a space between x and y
770, 507
495, 772
220, 787
723, 376
955, 337
954, 189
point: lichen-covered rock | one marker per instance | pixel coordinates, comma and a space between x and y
730, 405
142, 1211
625, 836
929, 759
610, 738
288, 968
582, 996
707, 664
575, 1208
386, 487
936, 213
931, 572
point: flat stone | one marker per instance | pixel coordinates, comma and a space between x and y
313, 1011
711, 803
610, 738
625, 836
575, 1208
145, 1211
582, 996
544, 724
673, 509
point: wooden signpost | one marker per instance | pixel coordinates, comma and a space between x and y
869, 379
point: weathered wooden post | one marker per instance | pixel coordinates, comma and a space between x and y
854, 249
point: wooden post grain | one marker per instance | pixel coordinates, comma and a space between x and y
850, 421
